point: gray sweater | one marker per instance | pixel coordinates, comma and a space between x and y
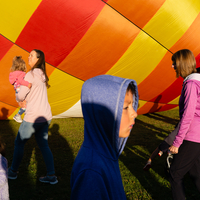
4, 194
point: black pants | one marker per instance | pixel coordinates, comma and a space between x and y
187, 160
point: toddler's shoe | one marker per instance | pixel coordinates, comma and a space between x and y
17, 118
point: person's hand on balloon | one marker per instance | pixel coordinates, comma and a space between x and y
173, 149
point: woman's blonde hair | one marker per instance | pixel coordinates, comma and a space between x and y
18, 64
184, 63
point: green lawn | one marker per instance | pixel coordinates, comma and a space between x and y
65, 139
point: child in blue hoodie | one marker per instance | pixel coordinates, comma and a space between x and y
109, 106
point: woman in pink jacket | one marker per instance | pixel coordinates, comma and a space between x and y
37, 117
186, 145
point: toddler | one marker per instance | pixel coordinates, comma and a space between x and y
16, 78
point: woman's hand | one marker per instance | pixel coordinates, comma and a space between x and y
29, 85
173, 149
22, 104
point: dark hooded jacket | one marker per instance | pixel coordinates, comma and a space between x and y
96, 174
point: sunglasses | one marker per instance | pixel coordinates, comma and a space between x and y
174, 64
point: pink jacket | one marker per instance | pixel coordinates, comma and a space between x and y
189, 111
38, 109
17, 78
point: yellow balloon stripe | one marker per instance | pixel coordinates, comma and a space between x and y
174, 101
64, 92
14, 15
145, 51
141, 103
172, 20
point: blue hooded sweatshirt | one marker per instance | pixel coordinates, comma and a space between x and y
96, 174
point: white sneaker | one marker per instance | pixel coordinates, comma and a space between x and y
17, 118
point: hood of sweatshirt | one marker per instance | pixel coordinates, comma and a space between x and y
102, 100
193, 77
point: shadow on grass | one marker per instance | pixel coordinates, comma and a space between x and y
135, 159
27, 185
155, 181
157, 116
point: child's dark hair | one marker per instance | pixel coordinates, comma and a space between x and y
2, 147
131, 87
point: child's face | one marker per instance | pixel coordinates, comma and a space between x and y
128, 116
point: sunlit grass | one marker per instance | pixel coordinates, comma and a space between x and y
32, 167
65, 139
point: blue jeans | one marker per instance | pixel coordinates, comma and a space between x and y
40, 130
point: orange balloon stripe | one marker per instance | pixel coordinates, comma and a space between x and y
5, 65
45, 29
154, 83
139, 12
172, 92
150, 87
174, 89
186, 42
100, 48
92, 37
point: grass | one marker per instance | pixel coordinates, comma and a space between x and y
65, 139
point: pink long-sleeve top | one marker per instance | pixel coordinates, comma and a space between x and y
16, 78
189, 111
38, 109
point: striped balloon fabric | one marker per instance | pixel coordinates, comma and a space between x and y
85, 38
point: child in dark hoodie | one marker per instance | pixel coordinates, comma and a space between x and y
109, 106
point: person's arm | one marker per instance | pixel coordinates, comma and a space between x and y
190, 101
12, 78
170, 139
21, 80
24, 90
